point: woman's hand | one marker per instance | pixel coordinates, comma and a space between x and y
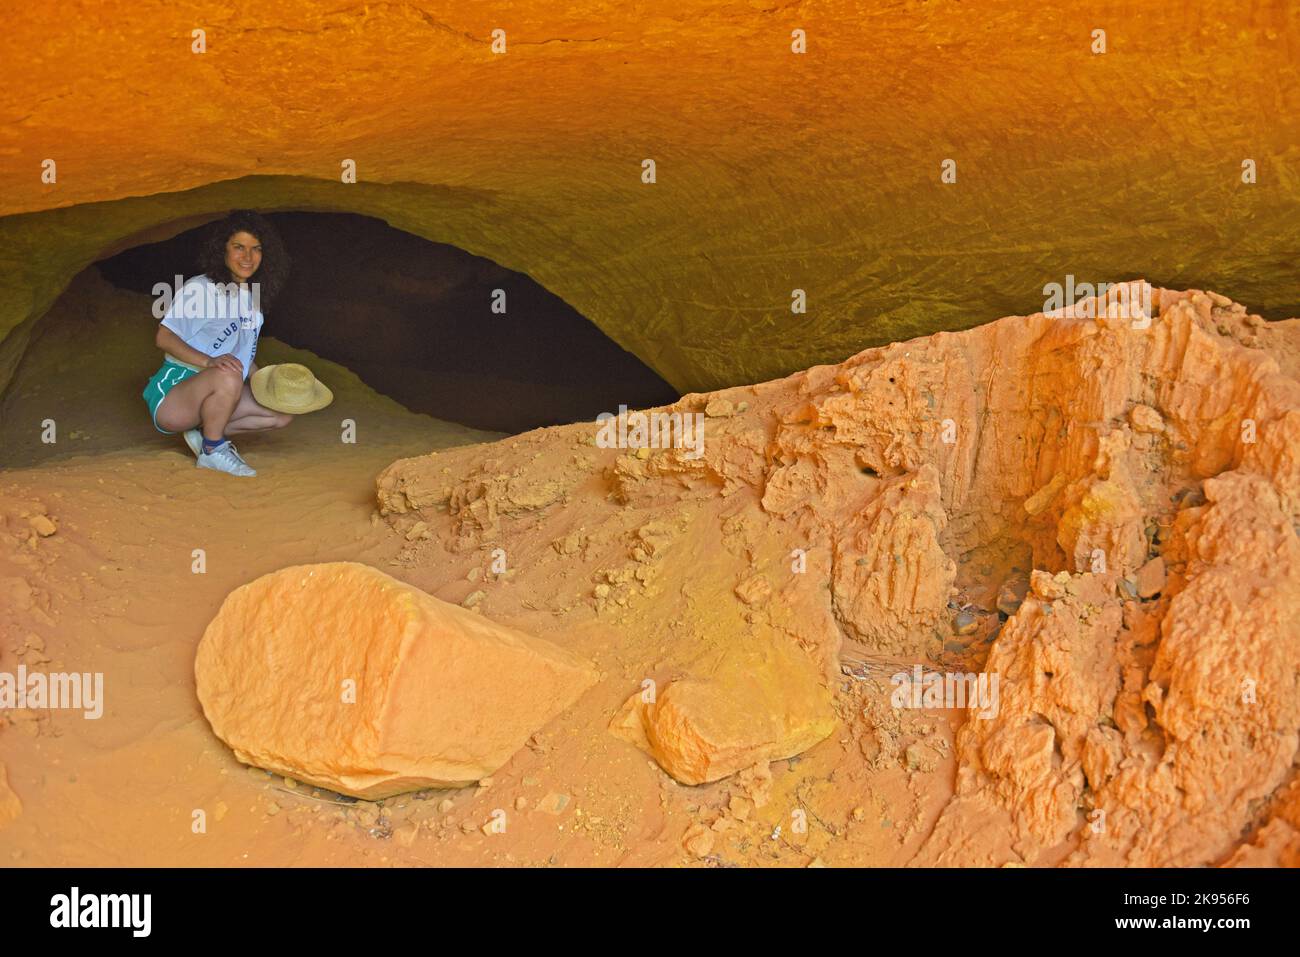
227, 362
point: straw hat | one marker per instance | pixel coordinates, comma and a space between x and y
289, 387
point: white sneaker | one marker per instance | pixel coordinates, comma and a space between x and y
194, 439
224, 458
235, 452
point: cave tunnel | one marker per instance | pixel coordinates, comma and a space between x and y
429, 325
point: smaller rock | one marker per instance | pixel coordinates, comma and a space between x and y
416, 531
1047, 586
553, 803
719, 408
1151, 578
42, 525
521, 803
697, 841
1012, 595
567, 545
445, 806
1126, 588
965, 623
473, 598
643, 452
1146, 419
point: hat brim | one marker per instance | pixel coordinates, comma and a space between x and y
259, 382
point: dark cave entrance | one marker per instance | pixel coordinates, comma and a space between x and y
413, 319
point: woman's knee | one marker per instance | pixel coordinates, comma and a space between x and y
224, 382
282, 419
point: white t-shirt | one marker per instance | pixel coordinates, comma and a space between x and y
216, 320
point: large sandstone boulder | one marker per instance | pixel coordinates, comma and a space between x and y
344, 677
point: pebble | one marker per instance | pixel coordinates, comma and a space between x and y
1151, 578
42, 525
1146, 419
553, 803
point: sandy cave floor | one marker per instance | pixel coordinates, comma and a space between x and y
113, 591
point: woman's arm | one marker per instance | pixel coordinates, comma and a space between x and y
169, 342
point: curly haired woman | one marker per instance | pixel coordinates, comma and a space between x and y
209, 337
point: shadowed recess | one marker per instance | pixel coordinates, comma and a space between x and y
416, 321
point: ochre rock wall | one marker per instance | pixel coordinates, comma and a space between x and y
775, 171
1153, 682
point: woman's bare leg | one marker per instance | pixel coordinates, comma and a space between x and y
206, 400
250, 415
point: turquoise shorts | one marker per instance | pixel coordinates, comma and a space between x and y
169, 375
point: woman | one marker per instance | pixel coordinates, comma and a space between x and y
209, 335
